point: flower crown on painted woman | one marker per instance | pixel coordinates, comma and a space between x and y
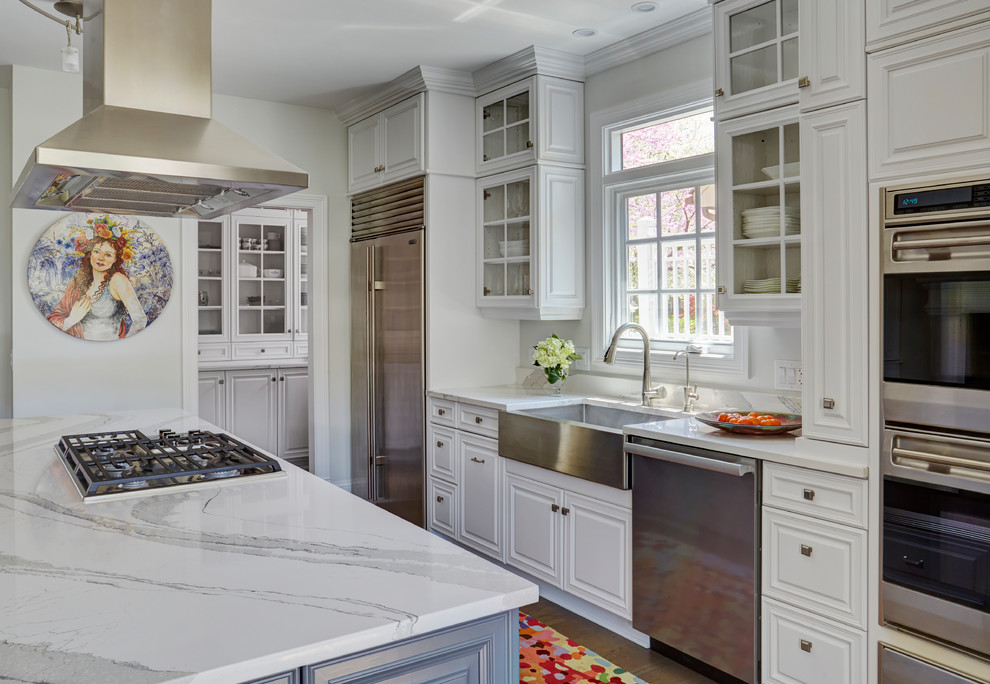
106, 228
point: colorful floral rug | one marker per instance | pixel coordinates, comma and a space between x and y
548, 657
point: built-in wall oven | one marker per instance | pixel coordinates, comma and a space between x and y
936, 402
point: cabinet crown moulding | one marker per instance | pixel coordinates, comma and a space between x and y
528, 62
417, 80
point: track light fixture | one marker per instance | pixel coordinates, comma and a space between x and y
74, 10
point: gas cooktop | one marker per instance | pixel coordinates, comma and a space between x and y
111, 464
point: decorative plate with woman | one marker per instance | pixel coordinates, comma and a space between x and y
100, 276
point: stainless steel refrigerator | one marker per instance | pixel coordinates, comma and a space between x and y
387, 378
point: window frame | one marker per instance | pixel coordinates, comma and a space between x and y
607, 183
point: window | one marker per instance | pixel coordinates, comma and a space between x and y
659, 198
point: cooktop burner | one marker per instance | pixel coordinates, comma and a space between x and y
112, 463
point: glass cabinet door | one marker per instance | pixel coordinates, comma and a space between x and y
505, 126
302, 274
212, 261
262, 303
505, 239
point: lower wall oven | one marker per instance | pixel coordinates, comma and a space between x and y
936, 536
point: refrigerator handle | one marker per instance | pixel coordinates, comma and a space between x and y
372, 380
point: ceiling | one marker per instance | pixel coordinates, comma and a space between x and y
324, 53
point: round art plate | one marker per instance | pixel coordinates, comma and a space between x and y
788, 422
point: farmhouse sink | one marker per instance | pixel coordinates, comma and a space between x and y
583, 440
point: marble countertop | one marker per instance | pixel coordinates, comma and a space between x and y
677, 428
219, 584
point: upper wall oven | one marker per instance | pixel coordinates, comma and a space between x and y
936, 305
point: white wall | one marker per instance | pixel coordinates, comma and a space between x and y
679, 66
6, 386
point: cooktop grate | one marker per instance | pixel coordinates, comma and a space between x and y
113, 463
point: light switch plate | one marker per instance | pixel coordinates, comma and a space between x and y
584, 363
787, 375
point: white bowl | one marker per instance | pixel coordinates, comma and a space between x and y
792, 169
273, 273
514, 248
246, 270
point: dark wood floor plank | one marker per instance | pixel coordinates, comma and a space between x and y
648, 665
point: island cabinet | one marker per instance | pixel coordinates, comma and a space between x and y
538, 119
573, 534
387, 146
814, 569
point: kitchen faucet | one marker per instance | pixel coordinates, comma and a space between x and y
690, 393
649, 391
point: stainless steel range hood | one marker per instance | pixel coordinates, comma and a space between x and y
147, 144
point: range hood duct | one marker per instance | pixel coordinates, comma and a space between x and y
147, 144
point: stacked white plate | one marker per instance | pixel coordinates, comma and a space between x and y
760, 222
771, 286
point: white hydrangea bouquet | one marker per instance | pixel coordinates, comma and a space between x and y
554, 356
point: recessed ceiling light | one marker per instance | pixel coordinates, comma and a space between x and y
644, 7
585, 33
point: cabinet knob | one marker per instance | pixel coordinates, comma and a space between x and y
221, 381
529, 143
441, 412
297, 331
484, 157
554, 507
828, 403
439, 444
805, 645
474, 459
806, 550
486, 291
199, 353
529, 292
804, 82
719, 92
439, 499
262, 351
477, 419
289, 331
565, 510
282, 379
809, 494
721, 289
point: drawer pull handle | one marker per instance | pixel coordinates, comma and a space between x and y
441, 412
804, 82
554, 507
828, 403
806, 550
477, 460
809, 494
439, 444
477, 419
920, 563
805, 645
565, 510
439, 499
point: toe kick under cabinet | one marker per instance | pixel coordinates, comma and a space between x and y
814, 577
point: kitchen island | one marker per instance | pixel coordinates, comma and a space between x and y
225, 583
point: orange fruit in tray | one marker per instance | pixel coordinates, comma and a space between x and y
751, 418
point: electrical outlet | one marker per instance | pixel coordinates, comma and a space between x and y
787, 375
584, 363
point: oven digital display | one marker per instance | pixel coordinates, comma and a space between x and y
908, 202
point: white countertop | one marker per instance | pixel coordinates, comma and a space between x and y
681, 428
220, 584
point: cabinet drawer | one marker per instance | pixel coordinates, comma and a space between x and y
214, 352
442, 412
263, 350
800, 647
301, 350
442, 505
481, 421
441, 452
811, 492
816, 565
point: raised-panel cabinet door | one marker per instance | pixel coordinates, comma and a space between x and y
898, 21
799, 647
534, 522
480, 511
252, 398
834, 313
363, 154
598, 548
213, 398
833, 33
293, 413
402, 126
442, 507
560, 129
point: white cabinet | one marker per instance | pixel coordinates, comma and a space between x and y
929, 105
480, 488
834, 315
539, 119
572, 540
293, 414
213, 398
833, 65
252, 400
386, 147
758, 176
531, 243
814, 570
897, 21
213, 281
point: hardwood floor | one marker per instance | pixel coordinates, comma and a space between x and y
642, 662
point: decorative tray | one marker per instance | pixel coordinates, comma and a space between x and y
785, 421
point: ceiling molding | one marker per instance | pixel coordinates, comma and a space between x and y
416, 80
525, 63
668, 35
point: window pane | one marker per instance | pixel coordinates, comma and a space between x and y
642, 267
679, 264
708, 209
677, 211
641, 216
676, 139
643, 310
678, 317
708, 275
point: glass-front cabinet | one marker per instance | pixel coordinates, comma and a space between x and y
531, 243
261, 286
756, 55
300, 222
758, 176
212, 283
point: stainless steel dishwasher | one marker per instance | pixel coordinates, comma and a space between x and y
696, 548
